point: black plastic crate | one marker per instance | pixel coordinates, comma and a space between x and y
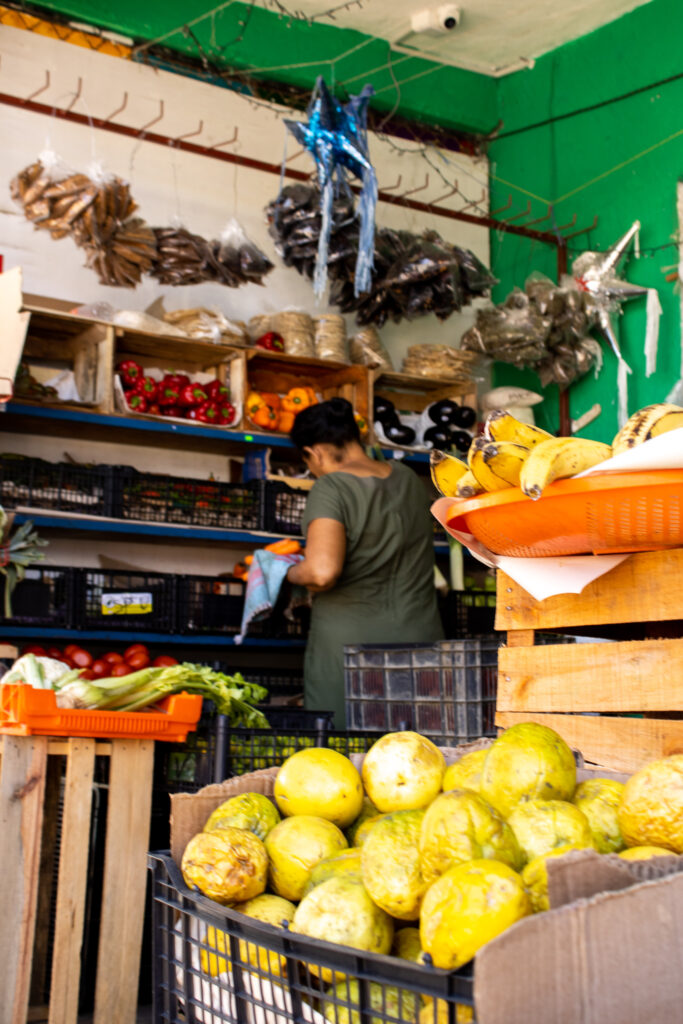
226, 974
208, 604
247, 750
466, 613
44, 598
58, 486
283, 508
114, 599
446, 690
149, 497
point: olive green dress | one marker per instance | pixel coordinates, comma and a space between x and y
385, 593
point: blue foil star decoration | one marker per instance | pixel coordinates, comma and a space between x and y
336, 137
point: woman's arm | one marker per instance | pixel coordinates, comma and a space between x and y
324, 556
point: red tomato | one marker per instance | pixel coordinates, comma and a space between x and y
100, 668
34, 649
134, 649
81, 658
138, 660
70, 648
163, 660
66, 661
112, 658
120, 669
55, 652
87, 673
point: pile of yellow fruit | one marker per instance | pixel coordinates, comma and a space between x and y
412, 858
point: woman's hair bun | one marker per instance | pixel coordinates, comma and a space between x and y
329, 422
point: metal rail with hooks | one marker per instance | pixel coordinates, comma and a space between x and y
385, 195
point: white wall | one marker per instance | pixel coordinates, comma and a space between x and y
204, 193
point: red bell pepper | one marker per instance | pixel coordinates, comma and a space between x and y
130, 372
154, 409
226, 414
136, 401
192, 394
217, 392
271, 341
171, 410
176, 380
207, 412
146, 386
168, 395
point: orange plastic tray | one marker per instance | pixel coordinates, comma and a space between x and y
606, 513
28, 712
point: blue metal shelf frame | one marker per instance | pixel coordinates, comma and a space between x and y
179, 429
146, 529
155, 639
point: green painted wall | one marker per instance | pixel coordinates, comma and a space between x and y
550, 161
445, 96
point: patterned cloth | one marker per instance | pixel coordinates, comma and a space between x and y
266, 575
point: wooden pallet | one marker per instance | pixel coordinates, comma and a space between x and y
636, 680
29, 792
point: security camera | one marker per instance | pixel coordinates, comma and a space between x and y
436, 20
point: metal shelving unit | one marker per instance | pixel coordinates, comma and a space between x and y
160, 639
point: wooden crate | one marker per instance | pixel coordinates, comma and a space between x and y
620, 703
278, 373
30, 781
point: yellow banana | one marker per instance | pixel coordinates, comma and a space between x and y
502, 426
497, 466
646, 423
446, 470
468, 486
558, 458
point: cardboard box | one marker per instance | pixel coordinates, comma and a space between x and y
608, 952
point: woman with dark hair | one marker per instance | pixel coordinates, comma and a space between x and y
369, 556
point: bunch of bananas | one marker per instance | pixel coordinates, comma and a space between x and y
514, 454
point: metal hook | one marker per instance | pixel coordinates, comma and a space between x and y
189, 135
448, 195
154, 120
229, 142
501, 209
118, 109
78, 94
391, 188
583, 231
420, 188
475, 202
539, 220
524, 213
570, 224
42, 88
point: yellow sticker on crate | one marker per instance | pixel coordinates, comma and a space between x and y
127, 604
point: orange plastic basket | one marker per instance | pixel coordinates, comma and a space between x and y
606, 513
28, 712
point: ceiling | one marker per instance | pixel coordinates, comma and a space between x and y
492, 37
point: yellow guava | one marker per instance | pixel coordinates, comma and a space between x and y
321, 782
458, 826
403, 771
645, 852
599, 800
390, 862
340, 910
429, 1015
346, 863
527, 762
465, 773
252, 811
342, 1005
363, 831
295, 846
406, 944
367, 811
535, 878
467, 907
651, 811
272, 910
229, 866
542, 825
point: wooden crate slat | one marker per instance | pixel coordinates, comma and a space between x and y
123, 895
72, 882
647, 587
620, 744
39, 973
636, 675
22, 789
